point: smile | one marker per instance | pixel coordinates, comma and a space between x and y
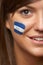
36, 39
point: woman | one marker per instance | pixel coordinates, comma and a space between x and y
23, 30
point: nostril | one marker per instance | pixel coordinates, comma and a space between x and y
39, 31
39, 28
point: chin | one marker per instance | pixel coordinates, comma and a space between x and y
37, 52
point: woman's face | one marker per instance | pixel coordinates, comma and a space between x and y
31, 16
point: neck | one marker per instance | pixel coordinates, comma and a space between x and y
24, 58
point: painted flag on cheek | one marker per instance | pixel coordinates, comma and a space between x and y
19, 27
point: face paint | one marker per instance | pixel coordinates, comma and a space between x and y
19, 27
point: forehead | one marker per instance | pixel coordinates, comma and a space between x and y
37, 4
31, 2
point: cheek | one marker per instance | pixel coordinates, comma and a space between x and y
19, 27
28, 22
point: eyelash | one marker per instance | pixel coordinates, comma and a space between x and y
26, 12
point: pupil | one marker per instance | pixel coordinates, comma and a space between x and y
25, 11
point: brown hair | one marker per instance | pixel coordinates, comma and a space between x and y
6, 44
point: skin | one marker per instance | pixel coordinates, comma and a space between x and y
25, 49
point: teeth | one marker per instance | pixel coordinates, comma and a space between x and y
39, 39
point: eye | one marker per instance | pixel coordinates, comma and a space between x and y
26, 12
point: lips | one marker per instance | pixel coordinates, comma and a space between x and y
36, 39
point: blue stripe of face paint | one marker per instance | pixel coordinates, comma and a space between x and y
19, 24
18, 31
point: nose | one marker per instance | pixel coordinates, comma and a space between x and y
39, 23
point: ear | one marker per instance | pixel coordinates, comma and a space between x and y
7, 25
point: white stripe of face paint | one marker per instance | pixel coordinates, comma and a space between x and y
18, 28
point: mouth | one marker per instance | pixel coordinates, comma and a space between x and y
36, 39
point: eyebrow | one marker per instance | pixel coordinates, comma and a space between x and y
31, 7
